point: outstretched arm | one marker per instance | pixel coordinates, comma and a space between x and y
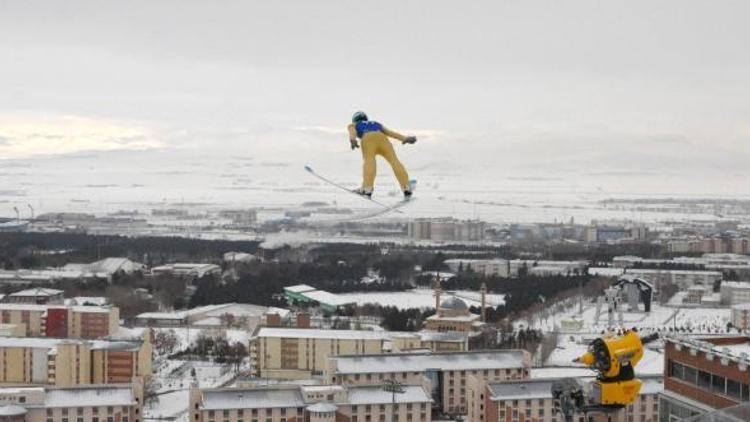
395, 135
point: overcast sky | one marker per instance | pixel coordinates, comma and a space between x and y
540, 85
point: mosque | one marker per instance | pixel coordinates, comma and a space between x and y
453, 314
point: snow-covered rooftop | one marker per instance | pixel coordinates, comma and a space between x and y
321, 296
541, 388
99, 395
37, 291
418, 362
258, 398
44, 308
522, 390
427, 335
376, 395
51, 343
322, 408
320, 333
299, 288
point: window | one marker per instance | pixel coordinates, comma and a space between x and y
733, 389
676, 370
690, 375
704, 380
718, 384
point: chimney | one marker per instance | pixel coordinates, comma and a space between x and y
303, 320
273, 320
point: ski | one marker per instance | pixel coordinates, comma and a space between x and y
391, 208
386, 207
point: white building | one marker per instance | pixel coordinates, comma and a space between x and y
734, 292
682, 278
187, 269
107, 266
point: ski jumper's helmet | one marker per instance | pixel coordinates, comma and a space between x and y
359, 116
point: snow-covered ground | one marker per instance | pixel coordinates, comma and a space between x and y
173, 377
419, 298
573, 343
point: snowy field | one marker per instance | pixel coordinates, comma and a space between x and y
699, 320
419, 298
205, 182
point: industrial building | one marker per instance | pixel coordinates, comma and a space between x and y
302, 293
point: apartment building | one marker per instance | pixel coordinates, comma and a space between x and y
734, 292
512, 268
531, 401
66, 362
331, 403
62, 321
446, 372
704, 374
682, 278
446, 229
106, 403
298, 353
487, 267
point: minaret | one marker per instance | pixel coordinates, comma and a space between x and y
437, 291
483, 290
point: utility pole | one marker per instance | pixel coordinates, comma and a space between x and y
394, 387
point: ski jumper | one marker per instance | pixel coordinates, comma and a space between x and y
374, 142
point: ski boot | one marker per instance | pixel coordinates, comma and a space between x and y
410, 189
367, 193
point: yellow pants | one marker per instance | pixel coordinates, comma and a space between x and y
374, 144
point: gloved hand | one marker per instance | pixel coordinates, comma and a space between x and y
410, 140
354, 144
